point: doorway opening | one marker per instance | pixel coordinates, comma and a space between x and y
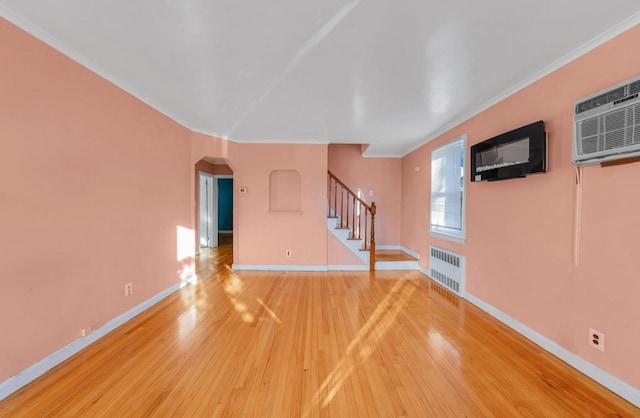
214, 199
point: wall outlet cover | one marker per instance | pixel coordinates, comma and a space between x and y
596, 339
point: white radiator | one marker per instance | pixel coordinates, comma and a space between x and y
447, 268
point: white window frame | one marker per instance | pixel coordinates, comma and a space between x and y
439, 231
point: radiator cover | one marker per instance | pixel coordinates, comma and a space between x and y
447, 268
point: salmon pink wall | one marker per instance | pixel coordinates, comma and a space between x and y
338, 255
520, 233
95, 186
215, 169
381, 175
263, 236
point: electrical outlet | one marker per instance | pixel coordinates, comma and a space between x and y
288, 253
128, 289
86, 331
596, 339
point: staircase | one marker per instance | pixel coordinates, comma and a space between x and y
352, 221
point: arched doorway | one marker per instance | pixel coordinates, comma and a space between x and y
214, 200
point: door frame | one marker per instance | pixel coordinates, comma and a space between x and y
212, 203
215, 199
208, 201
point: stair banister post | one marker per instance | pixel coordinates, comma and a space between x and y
328, 196
335, 199
359, 219
372, 251
348, 197
341, 207
366, 230
353, 219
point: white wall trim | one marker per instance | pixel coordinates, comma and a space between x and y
277, 267
607, 380
397, 265
60, 46
410, 252
388, 247
31, 373
36, 31
590, 45
208, 202
399, 248
46, 37
334, 267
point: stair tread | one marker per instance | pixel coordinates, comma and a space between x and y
393, 255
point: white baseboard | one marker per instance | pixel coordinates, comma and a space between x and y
399, 248
607, 380
30, 374
397, 265
411, 253
277, 267
360, 267
388, 247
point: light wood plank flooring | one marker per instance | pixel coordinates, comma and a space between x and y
276, 344
393, 255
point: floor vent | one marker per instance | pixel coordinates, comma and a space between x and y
447, 268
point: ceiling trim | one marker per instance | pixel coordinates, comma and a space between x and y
60, 46
590, 45
46, 37
258, 141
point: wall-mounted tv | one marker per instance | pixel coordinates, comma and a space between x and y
516, 153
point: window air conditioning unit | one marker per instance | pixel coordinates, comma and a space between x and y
607, 124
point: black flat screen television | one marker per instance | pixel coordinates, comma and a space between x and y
516, 153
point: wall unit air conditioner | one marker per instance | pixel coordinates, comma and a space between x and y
607, 124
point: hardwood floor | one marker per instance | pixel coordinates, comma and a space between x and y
284, 344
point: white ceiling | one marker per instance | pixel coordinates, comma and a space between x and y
392, 74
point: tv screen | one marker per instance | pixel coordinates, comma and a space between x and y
505, 155
513, 154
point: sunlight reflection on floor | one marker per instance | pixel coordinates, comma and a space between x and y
233, 287
368, 340
269, 311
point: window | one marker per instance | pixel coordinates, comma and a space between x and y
448, 190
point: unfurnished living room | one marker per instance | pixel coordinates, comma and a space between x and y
319, 209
